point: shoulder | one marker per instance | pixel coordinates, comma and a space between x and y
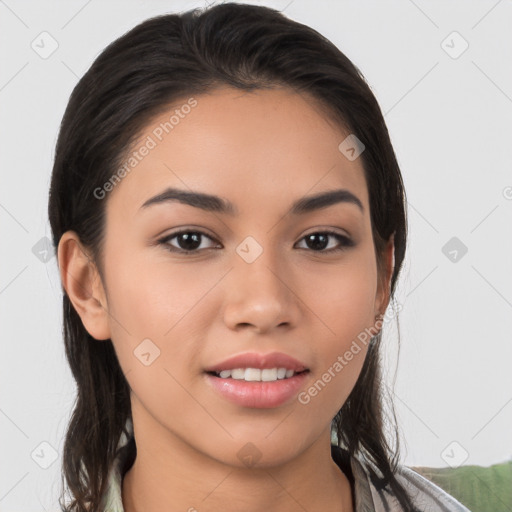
111, 500
372, 497
427, 495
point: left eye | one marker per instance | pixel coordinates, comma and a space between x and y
319, 240
190, 241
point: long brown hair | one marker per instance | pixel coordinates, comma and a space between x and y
159, 61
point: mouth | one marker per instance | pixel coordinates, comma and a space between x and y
261, 381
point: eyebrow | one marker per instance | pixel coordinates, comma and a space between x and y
212, 203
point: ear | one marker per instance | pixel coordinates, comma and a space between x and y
384, 288
82, 282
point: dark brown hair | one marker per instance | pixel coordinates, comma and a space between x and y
162, 60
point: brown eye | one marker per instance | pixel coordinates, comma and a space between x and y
186, 241
319, 241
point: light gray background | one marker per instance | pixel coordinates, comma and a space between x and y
450, 122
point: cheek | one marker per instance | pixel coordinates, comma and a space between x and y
343, 303
343, 297
152, 298
158, 316
155, 316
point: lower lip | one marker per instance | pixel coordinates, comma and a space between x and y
258, 395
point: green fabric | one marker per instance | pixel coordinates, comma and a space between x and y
481, 489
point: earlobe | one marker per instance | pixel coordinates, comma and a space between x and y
82, 283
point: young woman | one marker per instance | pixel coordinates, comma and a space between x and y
230, 222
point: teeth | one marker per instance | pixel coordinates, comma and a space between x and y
269, 374
257, 375
238, 373
252, 374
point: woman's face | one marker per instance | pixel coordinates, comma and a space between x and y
260, 277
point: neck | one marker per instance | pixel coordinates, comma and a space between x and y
169, 474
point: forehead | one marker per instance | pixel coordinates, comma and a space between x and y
257, 148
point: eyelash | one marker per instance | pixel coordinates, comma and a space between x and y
345, 242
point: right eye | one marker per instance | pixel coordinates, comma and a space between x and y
187, 240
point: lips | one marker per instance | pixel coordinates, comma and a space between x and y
258, 361
256, 380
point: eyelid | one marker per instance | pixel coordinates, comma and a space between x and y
329, 229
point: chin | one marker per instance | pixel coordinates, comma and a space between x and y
260, 453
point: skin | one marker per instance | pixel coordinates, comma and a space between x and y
262, 151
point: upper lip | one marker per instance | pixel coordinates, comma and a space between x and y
261, 361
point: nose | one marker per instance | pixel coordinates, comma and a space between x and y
261, 295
